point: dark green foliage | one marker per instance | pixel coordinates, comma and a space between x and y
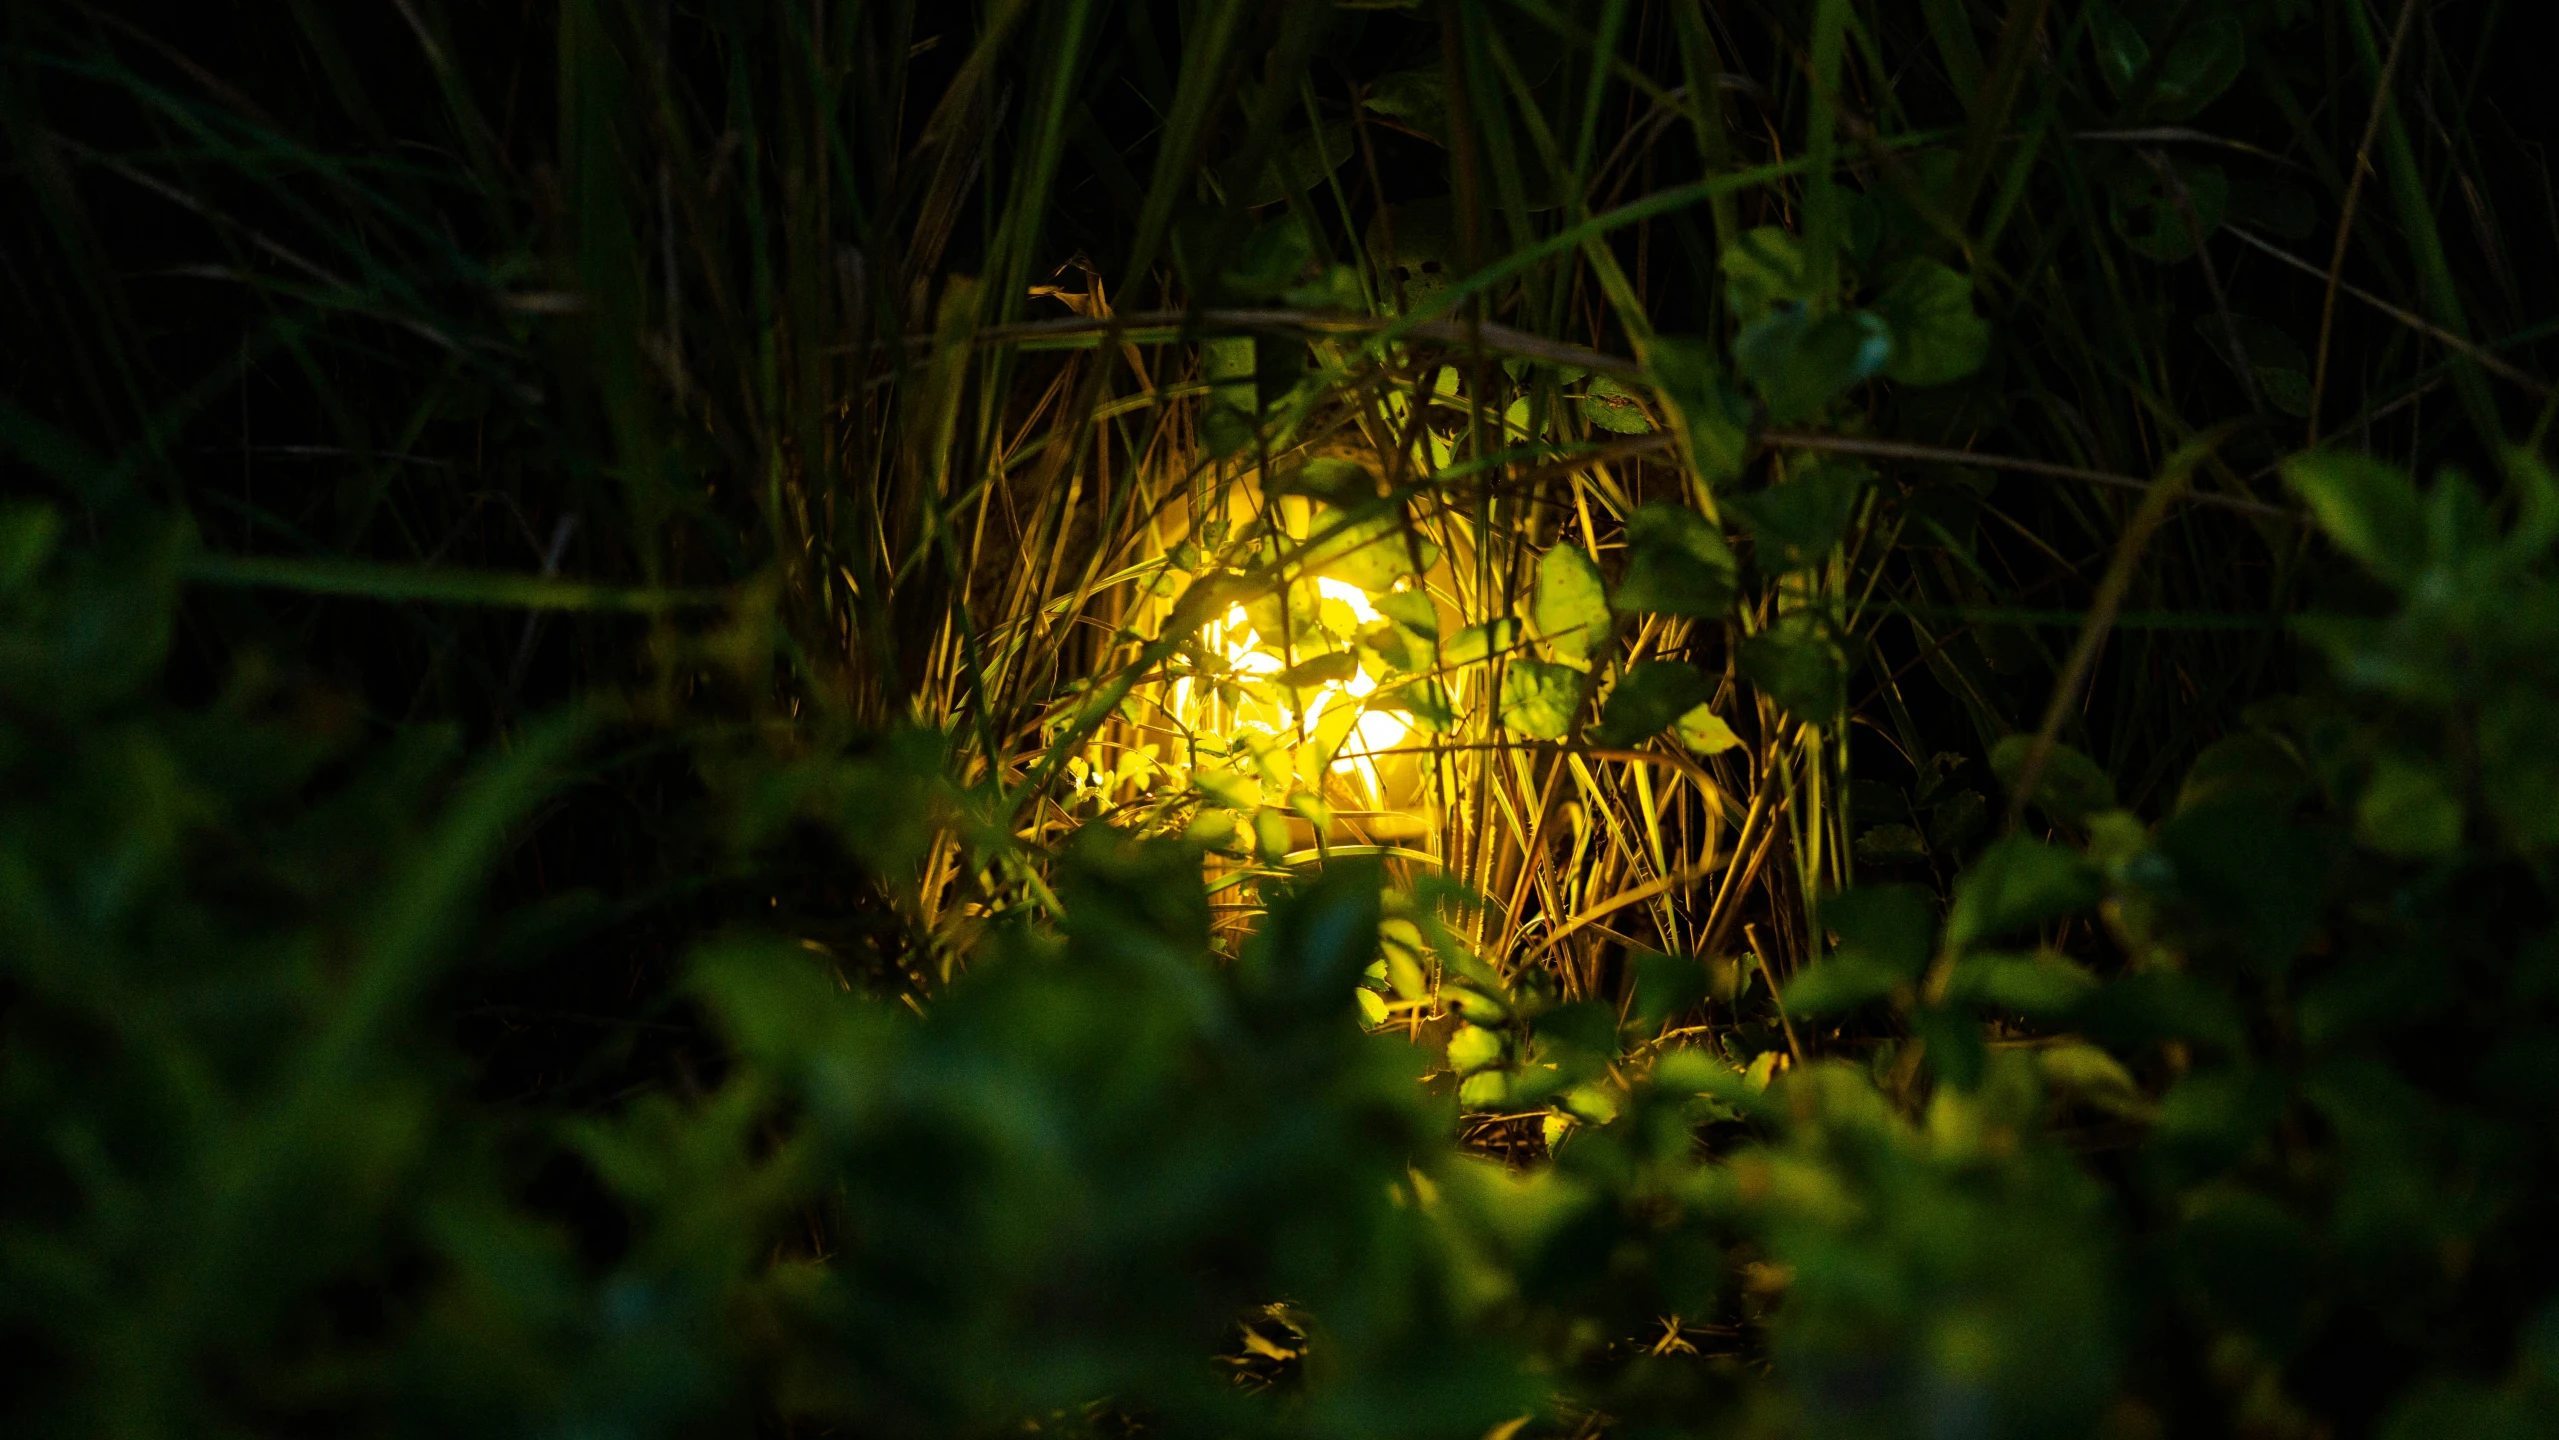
1796, 524
1797, 664
573, 580
1649, 697
1679, 565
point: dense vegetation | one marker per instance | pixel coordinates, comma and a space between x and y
1557, 717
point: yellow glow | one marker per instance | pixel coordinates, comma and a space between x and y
1374, 732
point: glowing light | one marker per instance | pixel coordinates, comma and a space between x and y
1373, 733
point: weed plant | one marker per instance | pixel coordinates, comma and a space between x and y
1498, 719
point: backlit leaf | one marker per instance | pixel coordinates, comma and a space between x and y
2406, 809
1411, 609
1538, 698
1471, 1048
1614, 408
1571, 605
1705, 732
1372, 554
2367, 506
1477, 644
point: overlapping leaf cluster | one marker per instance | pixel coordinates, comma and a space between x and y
2320, 1030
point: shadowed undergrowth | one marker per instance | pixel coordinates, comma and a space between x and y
1492, 720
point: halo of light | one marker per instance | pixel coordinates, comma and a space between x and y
1374, 733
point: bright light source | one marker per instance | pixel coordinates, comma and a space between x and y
1373, 733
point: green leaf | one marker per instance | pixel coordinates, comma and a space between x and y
2210, 1118
1665, 987
1705, 732
1571, 605
2071, 786
1272, 257
2240, 866
1421, 263
1471, 1048
2145, 211
2038, 986
1796, 664
1477, 644
1332, 669
2518, 768
2275, 206
28, 531
1891, 845
1229, 789
1648, 698
1538, 698
2461, 531
1588, 1026
2202, 64
1591, 1104
1763, 270
1304, 158
2077, 1070
1227, 364
1839, 984
2122, 52
1937, 336
1795, 525
1953, 821
2245, 764
1678, 564
2406, 809
2207, 57
1335, 481
1426, 701
1270, 835
1416, 99
1372, 554
1956, 1052
1714, 418
1888, 925
2018, 882
1213, 829
410, 929
1476, 1003
2369, 508
2275, 359
2155, 1005
1411, 609
1333, 287
1614, 408
1802, 363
